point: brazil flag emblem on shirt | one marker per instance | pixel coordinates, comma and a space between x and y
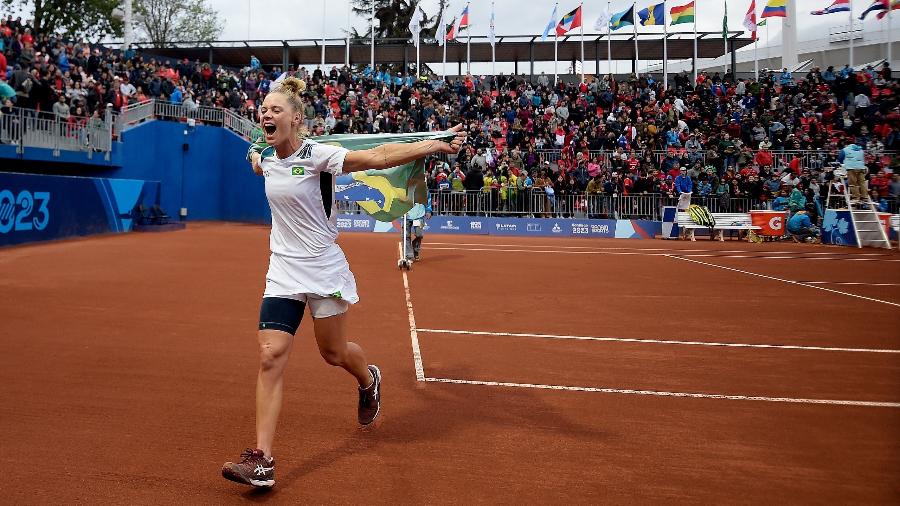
297, 171
385, 194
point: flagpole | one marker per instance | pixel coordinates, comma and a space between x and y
725, 40
372, 26
581, 10
755, 57
665, 49
555, 56
608, 40
637, 55
324, 8
695, 44
493, 44
468, 43
850, 12
418, 72
347, 54
444, 65
890, 32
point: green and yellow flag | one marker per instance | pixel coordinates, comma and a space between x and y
385, 194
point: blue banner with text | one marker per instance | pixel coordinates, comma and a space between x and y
41, 208
534, 227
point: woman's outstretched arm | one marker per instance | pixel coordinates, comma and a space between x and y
392, 155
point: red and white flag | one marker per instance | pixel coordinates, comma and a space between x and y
750, 19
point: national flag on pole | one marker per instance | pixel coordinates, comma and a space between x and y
415, 25
836, 6
386, 194
774, 9
569, 22
725, 22
653, 15
750, 19
894, 6
463, 19
550, 24
451, 35
442, 29
682, 14
603, 20
621, 19
491, 36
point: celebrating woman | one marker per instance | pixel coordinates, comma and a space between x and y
306, 267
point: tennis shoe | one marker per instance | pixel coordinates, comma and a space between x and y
370, 398
254, 469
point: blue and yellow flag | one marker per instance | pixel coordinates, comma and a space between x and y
385, 194
653, 15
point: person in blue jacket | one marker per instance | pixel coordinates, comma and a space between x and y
853, 158
684, 186
415, 228
801, 227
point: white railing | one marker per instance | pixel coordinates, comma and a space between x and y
135, 114
27, 128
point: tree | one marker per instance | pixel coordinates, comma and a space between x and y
71, 18
393, 18
167, 21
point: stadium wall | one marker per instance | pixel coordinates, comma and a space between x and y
201, 168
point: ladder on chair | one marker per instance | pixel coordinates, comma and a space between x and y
867, 227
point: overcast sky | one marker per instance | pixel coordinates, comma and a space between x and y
287, 19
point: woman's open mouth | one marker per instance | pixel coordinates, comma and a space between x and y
270, 129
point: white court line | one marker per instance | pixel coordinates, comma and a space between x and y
853, 283
784, 280
633, 253
658, 393
702, 250
660, 341
413, 335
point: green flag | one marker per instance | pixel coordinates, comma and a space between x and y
725, 22
385, 194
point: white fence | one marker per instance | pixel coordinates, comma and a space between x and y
27, 128
135, 114
537, 203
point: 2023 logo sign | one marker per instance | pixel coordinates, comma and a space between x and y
23, 212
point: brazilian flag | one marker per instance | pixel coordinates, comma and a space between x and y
385, 194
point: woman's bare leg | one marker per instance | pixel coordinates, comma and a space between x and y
274, 351
333, 345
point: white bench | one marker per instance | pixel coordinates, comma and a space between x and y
724, 221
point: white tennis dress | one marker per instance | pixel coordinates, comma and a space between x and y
305, 259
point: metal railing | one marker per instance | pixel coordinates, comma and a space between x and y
135, 114
536, 203
27, 128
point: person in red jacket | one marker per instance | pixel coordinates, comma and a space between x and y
763, 157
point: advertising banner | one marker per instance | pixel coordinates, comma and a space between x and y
41, 208
528, 227
771, 223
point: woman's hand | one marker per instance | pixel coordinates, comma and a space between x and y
255, 160
455, 145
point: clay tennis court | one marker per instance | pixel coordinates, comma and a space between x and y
546, 371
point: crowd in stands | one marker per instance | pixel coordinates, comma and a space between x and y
772, 140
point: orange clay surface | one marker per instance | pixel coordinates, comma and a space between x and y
128, 368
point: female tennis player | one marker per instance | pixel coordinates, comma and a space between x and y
306, 267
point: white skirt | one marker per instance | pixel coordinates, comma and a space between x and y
326, 275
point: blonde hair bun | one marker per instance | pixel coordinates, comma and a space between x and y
293, 86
